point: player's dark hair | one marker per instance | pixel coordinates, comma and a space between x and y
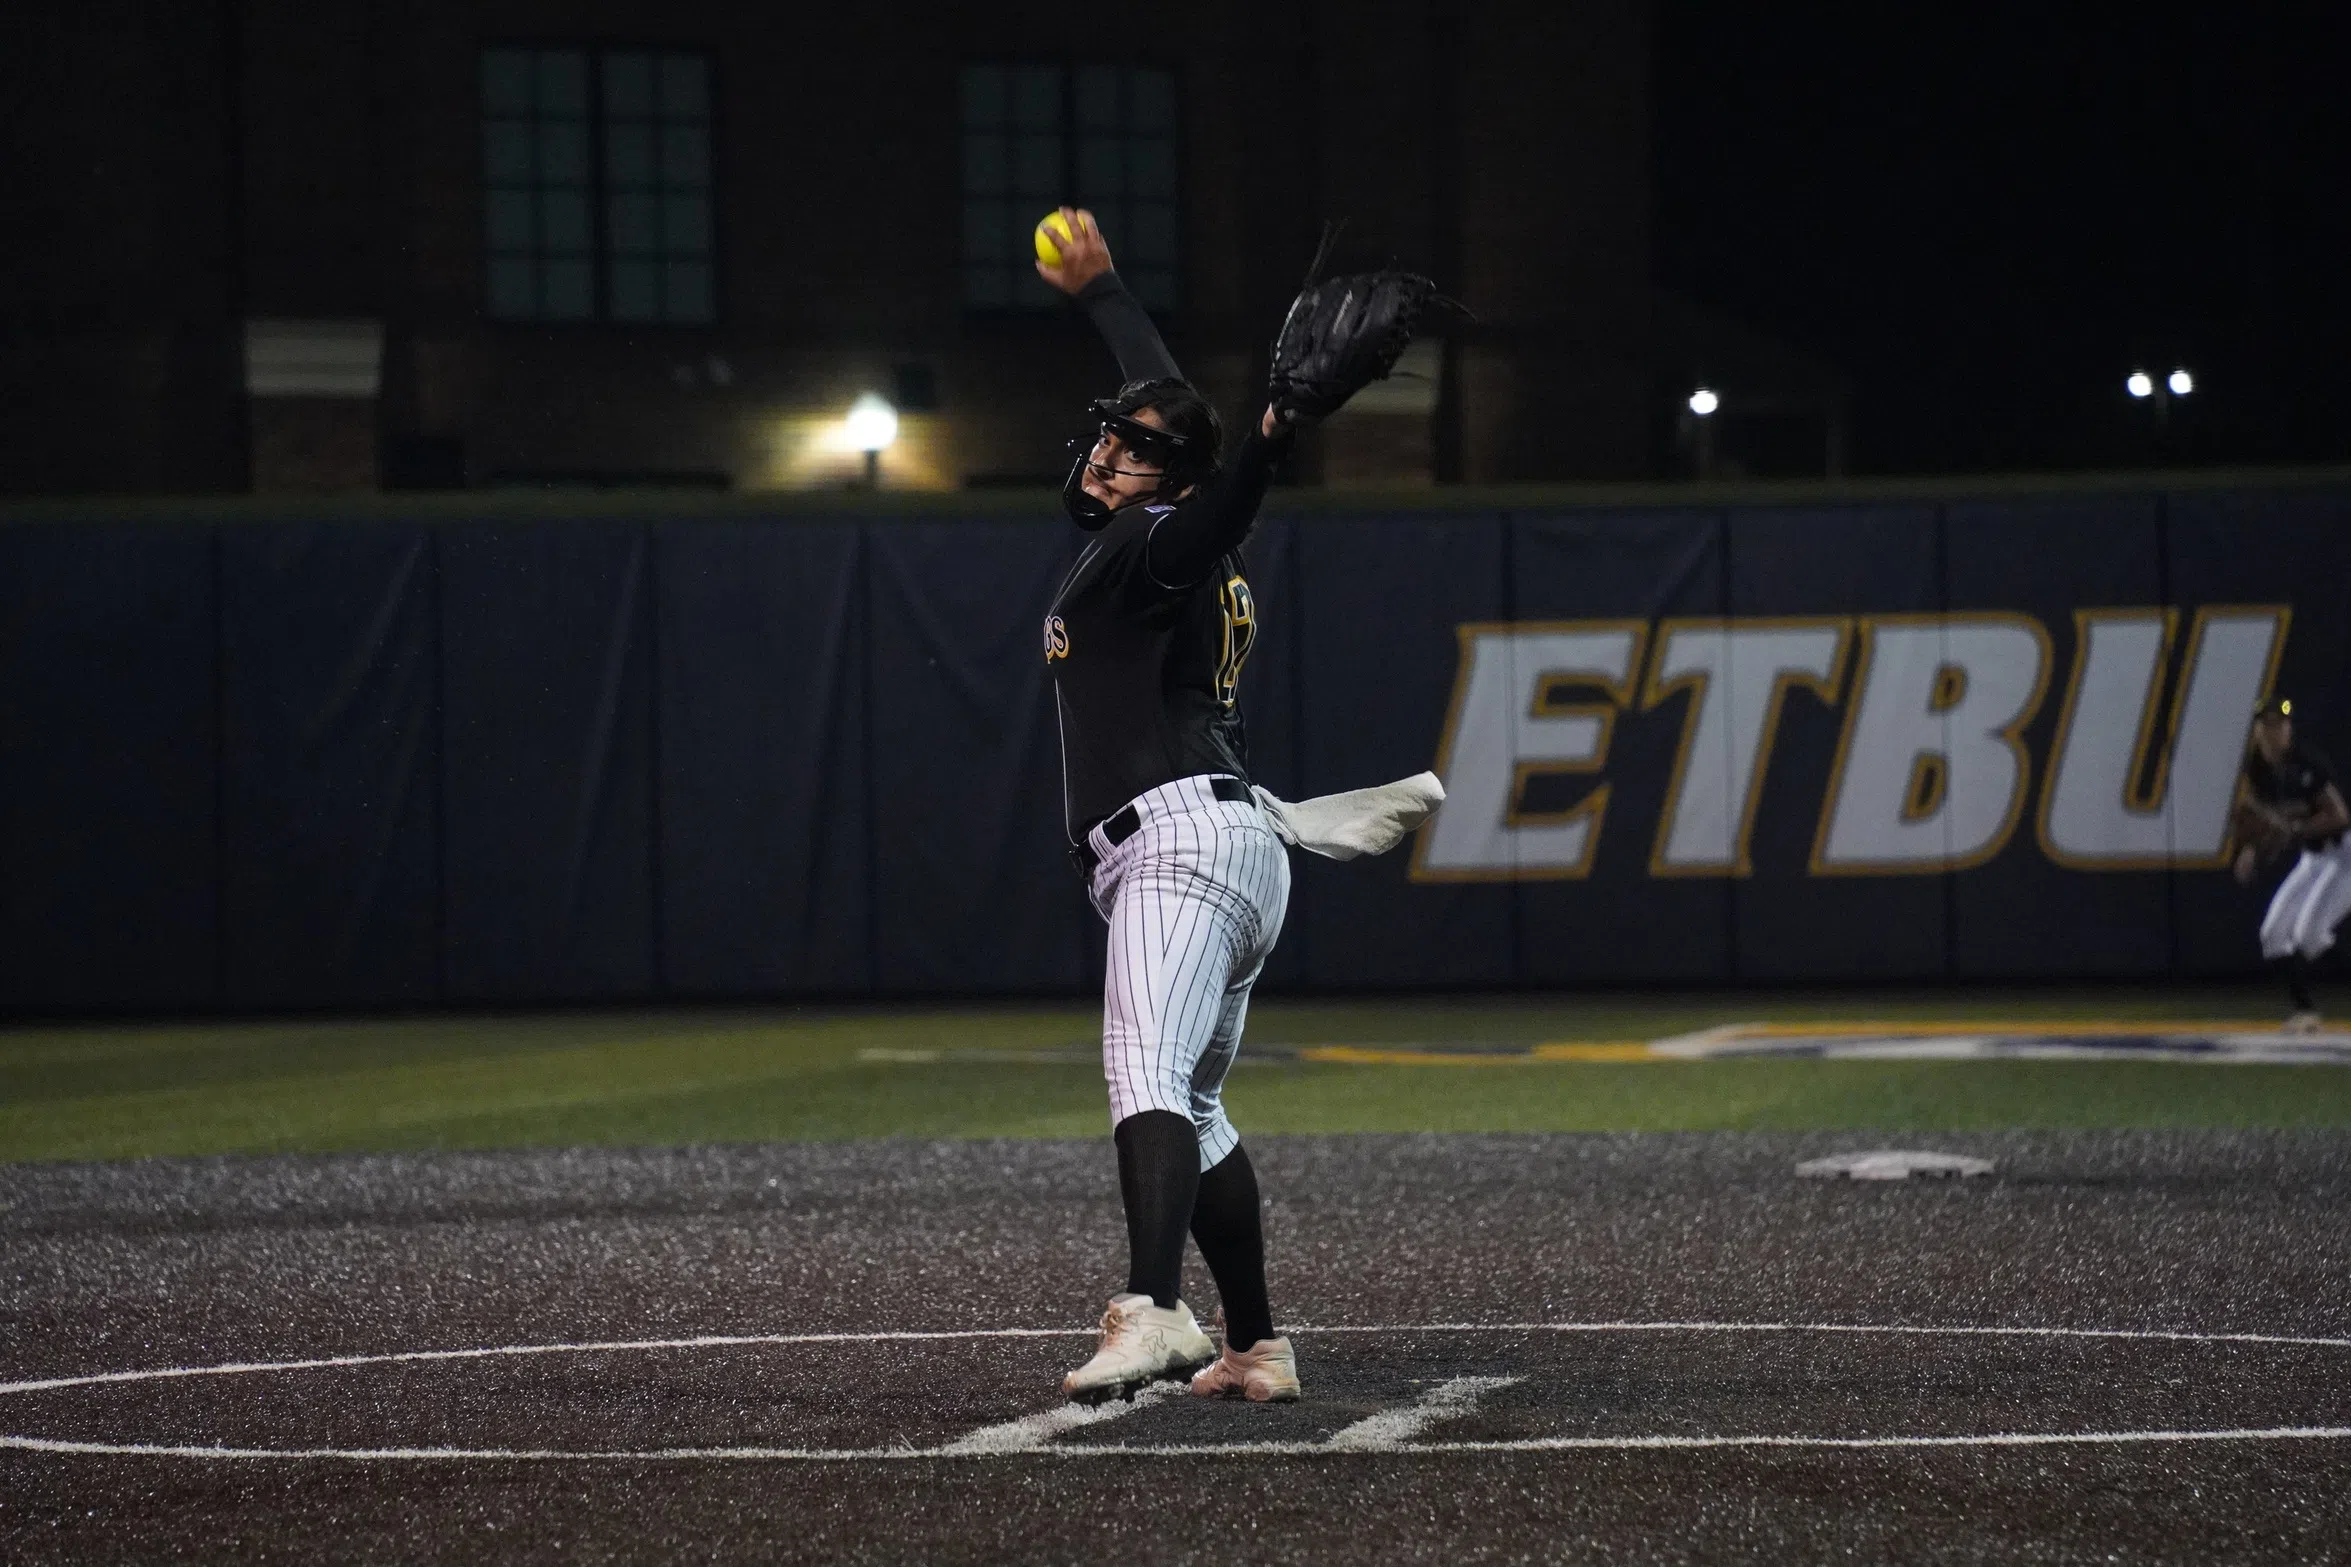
1188, 416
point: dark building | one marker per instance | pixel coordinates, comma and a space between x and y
281, 246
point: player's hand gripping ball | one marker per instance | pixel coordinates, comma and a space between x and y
1070, 251
1055, 227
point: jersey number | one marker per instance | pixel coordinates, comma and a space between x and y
1240, 634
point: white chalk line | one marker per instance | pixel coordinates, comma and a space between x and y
412, 1356
1032, 1432
2149, 1334
1532, 1444
754, 1340
1391, 1429
1031, 1435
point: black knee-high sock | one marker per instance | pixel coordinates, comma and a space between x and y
1226, 1223
1158, 1176
2296, 969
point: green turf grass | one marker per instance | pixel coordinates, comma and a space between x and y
78, 1092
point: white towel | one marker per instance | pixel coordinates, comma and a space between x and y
1360, 821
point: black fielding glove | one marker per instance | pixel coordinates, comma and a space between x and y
1341, 335
1344, 333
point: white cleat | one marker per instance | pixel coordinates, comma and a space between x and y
2304, 1022
1264, 1373
1141, 1344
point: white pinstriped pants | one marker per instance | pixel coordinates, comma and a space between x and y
1194, 901
2309, 903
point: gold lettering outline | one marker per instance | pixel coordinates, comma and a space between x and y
2281, 617
2151, 798
2011, 735
1524, 773
1655, 692
1594, 804
2149, 702
1929, 782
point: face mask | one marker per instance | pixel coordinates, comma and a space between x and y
1148, 444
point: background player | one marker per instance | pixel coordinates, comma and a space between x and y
1145, 640
2295, 803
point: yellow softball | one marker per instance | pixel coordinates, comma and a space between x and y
1054, 224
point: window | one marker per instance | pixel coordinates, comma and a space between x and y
597, 188
1096, 136
537, 226
657, 187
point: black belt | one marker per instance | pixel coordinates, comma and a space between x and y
1124, 823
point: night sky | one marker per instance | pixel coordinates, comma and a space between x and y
1985, 216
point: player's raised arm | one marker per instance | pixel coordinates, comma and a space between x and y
1186, 544
1073, 257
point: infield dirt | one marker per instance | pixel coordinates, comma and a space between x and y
178, 1264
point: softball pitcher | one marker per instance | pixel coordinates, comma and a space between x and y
1185, 861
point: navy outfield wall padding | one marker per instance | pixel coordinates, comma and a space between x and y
1789, 924
2087, 553
2260, 549
368, 763
330, 886
765, 839
109, 856
547, 761
1646, 567
972, 886
1381, 600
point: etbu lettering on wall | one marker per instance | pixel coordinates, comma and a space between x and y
1931, 773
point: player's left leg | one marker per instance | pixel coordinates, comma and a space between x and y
2282, 926
1228, 1224
2323, 906
1227, 1217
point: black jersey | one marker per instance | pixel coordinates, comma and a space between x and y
1146, 637
2298, 783
1145, 676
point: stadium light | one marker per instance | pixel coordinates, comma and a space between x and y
1704, 402
2181, 383
2140, 384
873, 425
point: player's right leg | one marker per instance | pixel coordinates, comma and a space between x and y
2285, 930
1141, 1343
1172, 949
1148, 1333
2323, 906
